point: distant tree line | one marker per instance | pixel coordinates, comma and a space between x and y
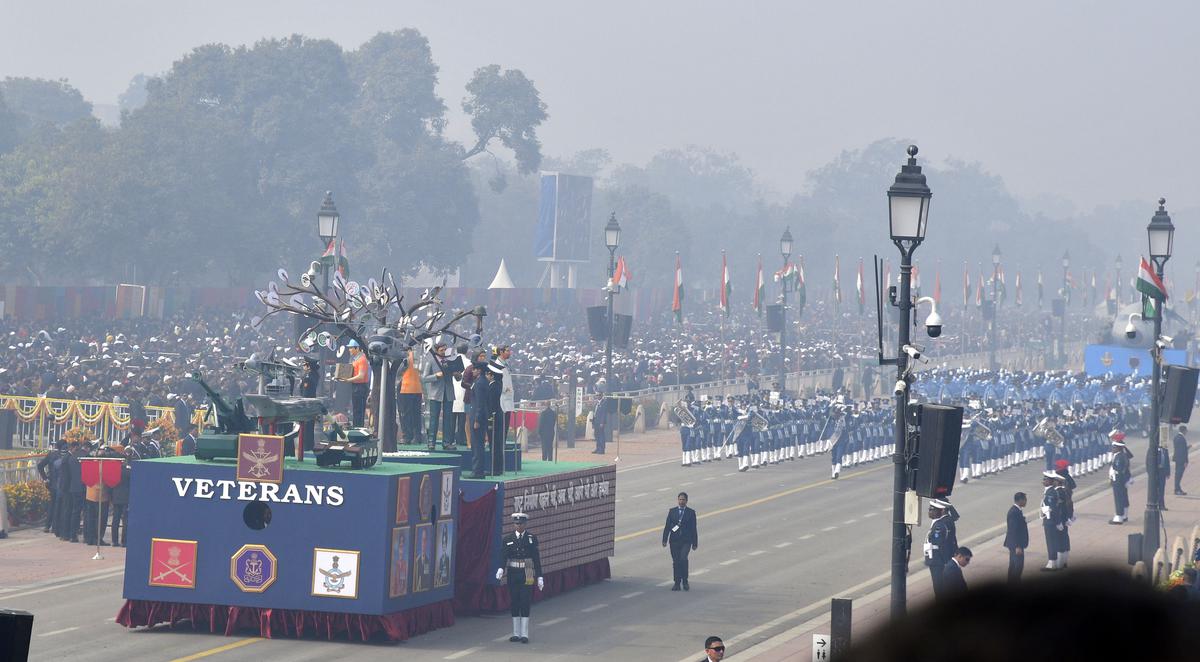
218, 167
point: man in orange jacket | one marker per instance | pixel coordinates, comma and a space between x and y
360, 383
410, 403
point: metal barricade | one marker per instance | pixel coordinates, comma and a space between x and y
43, 421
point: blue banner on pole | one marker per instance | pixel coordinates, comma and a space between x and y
1101, 359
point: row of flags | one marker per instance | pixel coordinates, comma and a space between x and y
791, 277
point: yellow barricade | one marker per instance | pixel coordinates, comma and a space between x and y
43, 421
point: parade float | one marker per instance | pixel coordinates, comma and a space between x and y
360, 538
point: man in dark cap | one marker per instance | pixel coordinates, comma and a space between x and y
940, 543
522, 564
1119, 476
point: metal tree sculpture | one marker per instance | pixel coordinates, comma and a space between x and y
374, 316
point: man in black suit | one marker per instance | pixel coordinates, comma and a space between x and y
952, 576
714, 650
680, 531
1016, 538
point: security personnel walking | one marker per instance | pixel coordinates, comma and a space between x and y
680, 532
941, 542
1180, 456
523, 566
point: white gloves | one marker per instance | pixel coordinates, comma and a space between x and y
1045, 512
500, 573
1059, 527
1112, 475
541, 584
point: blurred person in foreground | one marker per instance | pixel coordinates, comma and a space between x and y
1051, 619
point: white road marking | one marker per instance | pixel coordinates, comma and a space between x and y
667, 583
554, 621
638, 495
782, 545
54, 632
687, 483
850, 521
868, 515
464, 653
662, 489
617, 501
699, 572
730, 562
828, 528
114, 573
805, 536
504, 638
711, 478
731, 473
602, 605
757, 552
628, 595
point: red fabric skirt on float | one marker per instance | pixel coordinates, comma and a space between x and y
275, 623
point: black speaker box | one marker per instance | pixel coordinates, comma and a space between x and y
622, 327
775, 318
597, 317
937, 450
1059, 307
15, 630
1180, 393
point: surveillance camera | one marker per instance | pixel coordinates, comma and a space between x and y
1130, 331
913, 352
933, 325
1166, 339
901, 387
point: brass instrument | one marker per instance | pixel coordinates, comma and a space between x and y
1048, 431
982, 431
684, 414
759, 422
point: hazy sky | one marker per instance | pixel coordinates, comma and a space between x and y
1094, 102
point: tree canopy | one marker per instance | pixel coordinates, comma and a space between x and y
216, 176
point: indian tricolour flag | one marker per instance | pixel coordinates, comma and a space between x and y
726, 287
677, 301
858, 286
760, 291
1151, 287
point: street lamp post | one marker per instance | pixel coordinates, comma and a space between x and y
612, 239
908, 214
327, 230
785, 249
1062, 321
995, 306
1161, 234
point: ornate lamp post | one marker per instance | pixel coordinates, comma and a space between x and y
1161, 234
612, 239
908, 214
327, 230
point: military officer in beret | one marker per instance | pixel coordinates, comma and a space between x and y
522, 564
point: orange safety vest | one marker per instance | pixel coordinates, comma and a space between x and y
362, 373
410, 381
